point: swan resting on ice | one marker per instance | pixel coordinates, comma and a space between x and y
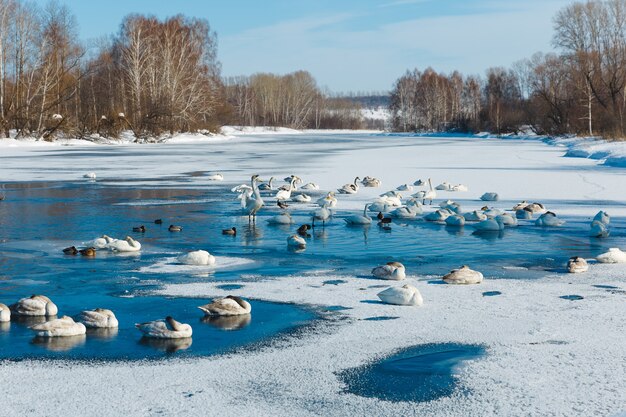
407, 295
197, 257
463, 275
576, 265
391, 270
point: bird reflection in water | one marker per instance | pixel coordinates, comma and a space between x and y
102, 333
488, 235
5, 326
251, 234
167, 345
228, 322
29, 321
59, 344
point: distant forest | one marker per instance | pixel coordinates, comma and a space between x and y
158, 77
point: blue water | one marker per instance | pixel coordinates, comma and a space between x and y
420, 373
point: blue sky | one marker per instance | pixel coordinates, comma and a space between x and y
350, 45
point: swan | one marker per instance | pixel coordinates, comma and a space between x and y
127, 245
227, 306
371, 182
602, 217
437, 216
491, 212
452, 206
90, 175
286, 194
459, 188
350, 188
5, 313
455, 220
35, 305
295, 241
391, 270
197, 257
490, 197
489, 225
419, 183
404, 187
392, 193
576, 265
379, 205
252, 203
613, 256
267, 186
302, 198
536, 207
100, 242
507, 219
98, 318
330, 200
165, 329
357, 219
524, 214
426, 195
412, 209
65, 326
215, 176
321, 214
282, 218
598, 229
520, 206
549, 219
463, 275
310, 186
475, 216
407, 295
444, 186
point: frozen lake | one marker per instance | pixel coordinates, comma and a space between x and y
49, 206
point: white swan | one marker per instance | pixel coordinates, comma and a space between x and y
357, 219
35, 305
520, 206
165, 329
459, 188
321, 214
419, 183
100, 318
444, 186
302, 198
227, 306
379, 206
463, 275
507, 219
613, 256
524, 214
197, 257
252, 203
455, 220
489, 225
330, 200
90, 175
350, 188
549, 219
65, 326
598, 229
411, 210
475, 216
127, 245
215, 176
391, 270
282, 218
286, 194
453, 206
426, 195
407, 295
295, 241
491, 212
371, 182
438, 216
5, 313
267, 186
490, 197
100, 242
602, 217
576, 265
404, 187
310, 186
536, 207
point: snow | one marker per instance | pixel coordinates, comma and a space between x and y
377, 113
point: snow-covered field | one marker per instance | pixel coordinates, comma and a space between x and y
545, 355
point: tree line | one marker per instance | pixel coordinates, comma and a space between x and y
580, 89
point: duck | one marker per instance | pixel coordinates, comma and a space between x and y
89, 252
228, 306
101, 242
602, 217
507, 219
35, 305
598, 229
165, 329
382, 219
175, 228
321, 214
431, 194
158, 221
438, 215
252, 203
215, 176
127, 245
391, 270
463, 275
524, 214
197, 257
536, 207
5, 313
576, 265
310, 186
286, 194
267, 186
404, 187
62, 327
350, 188
90, 175
231, 232
99, 318
407, 295
302, 198
140, 229
490, 197
295, 241
282, 218
475, 216
549, 219
419, 183
455, 220
358, 219
281, 204
329, 200
70, 251
489, 225
613, 256
304, 230
371, 182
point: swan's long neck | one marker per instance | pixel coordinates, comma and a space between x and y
257, 193
270, 182
430, 184
355, 181
365, 211
291, 185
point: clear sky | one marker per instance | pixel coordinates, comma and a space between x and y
350, 45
